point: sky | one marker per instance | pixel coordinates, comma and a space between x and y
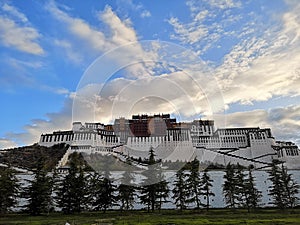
64, 61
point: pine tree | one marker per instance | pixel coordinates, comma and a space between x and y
180, 191
239, 179
206, 184
126, 191
92, 182
38, 193
153, 189
9, 189
291, 188
252, 194
229, 187
104, 195
151, 160
277, 188
162, 191
194, 184
71, 193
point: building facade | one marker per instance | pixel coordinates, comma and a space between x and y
177, 141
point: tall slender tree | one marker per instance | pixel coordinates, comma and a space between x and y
9, 189
162, 190
239, 179
180, 191
105, 193
291, 188
126, 191
206, 185
252, 194
38, 193
154, 187
194, 184
71, 191
277, 188
229, 187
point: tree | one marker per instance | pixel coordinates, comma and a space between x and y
162, 190
180, 191
291, 188
229, 187
277, 188
9, 188
239, 180
38, 193
252, 194
206, 184
194, 184
154, 187
104, 195
126, 191
71, 194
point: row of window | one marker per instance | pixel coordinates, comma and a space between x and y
57, 137
233, 132
237, 139
292, 152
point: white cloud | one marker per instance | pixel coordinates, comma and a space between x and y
74, 56
284, 122
121, 33
135, 7
22, 38
258, 69
14, 12
118, 33
55, 121
7, 143
17, 32
203, 30
188, 33
17, 63
145, 13
224, 4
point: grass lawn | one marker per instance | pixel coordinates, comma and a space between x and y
165, 217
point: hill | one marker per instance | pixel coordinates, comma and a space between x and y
27, 157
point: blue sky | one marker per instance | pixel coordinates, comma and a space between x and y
250, 48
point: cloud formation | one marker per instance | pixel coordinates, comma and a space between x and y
16, 32
285, 122
260, 68
261, 63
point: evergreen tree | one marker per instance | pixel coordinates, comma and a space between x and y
104, 196
126, 191
180, 191
9, 188
206, 184
93, 180
194, 184
277, 188
38, 193
151, 160
252, 194
152, 191
239, 179
162, 191
229, 187
291, 188
71, 193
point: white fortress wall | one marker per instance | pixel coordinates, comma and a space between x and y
182, 142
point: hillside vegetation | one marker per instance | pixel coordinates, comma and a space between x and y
28, 157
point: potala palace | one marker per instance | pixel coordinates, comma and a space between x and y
176, 141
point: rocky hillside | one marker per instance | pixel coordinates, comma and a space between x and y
27, 157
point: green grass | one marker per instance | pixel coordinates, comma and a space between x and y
165, 217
